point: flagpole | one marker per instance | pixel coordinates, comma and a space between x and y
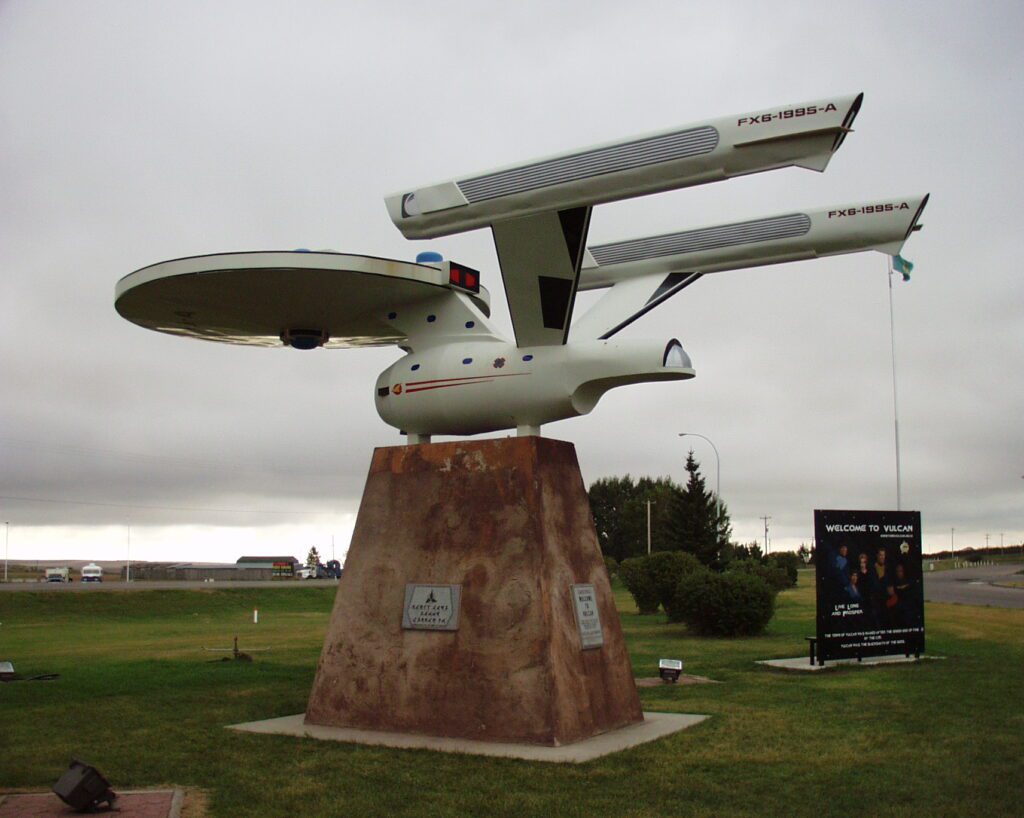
895, 406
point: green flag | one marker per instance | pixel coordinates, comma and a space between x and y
902, 266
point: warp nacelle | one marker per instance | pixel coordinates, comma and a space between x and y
488, 385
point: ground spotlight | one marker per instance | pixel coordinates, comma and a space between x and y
83, 788
670, 670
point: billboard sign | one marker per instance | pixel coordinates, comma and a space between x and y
869, 583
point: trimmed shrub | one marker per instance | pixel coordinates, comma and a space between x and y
665, 569
789, 562
777, 578
730, 604
639, 583
611, 565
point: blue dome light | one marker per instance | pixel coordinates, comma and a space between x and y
429, 257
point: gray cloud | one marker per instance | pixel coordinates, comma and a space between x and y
135, 132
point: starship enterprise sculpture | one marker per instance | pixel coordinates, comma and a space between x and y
459, 374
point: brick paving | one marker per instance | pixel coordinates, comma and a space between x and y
152, 804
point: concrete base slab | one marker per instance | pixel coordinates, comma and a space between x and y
130, 804
654, 726
802, 662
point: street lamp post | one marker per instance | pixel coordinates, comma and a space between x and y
7, 539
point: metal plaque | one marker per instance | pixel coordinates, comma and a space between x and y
431, 607
587, 617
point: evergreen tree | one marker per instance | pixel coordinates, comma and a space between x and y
313, 558
700, 523
723, 526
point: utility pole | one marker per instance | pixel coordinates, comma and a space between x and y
766, 519
332, 547
649, 503
7, 540
128, 564
986, 541
952, 551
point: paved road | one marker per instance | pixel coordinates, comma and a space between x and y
973, 586
110, 585
967, 586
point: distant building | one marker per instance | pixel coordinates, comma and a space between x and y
278, 566
245, 568
200, 571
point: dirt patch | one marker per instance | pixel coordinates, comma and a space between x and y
196, 804
684, 679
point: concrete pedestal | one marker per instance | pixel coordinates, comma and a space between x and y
507, 520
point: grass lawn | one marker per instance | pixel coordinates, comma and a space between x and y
138, 698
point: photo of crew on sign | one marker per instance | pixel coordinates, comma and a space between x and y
869, 594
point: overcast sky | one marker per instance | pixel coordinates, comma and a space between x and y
133, 132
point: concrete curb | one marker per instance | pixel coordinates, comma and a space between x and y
801, 663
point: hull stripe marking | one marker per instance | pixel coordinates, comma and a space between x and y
467, 378
474, 382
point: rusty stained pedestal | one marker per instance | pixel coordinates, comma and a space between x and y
508, 520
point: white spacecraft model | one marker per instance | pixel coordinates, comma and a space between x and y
459, 375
